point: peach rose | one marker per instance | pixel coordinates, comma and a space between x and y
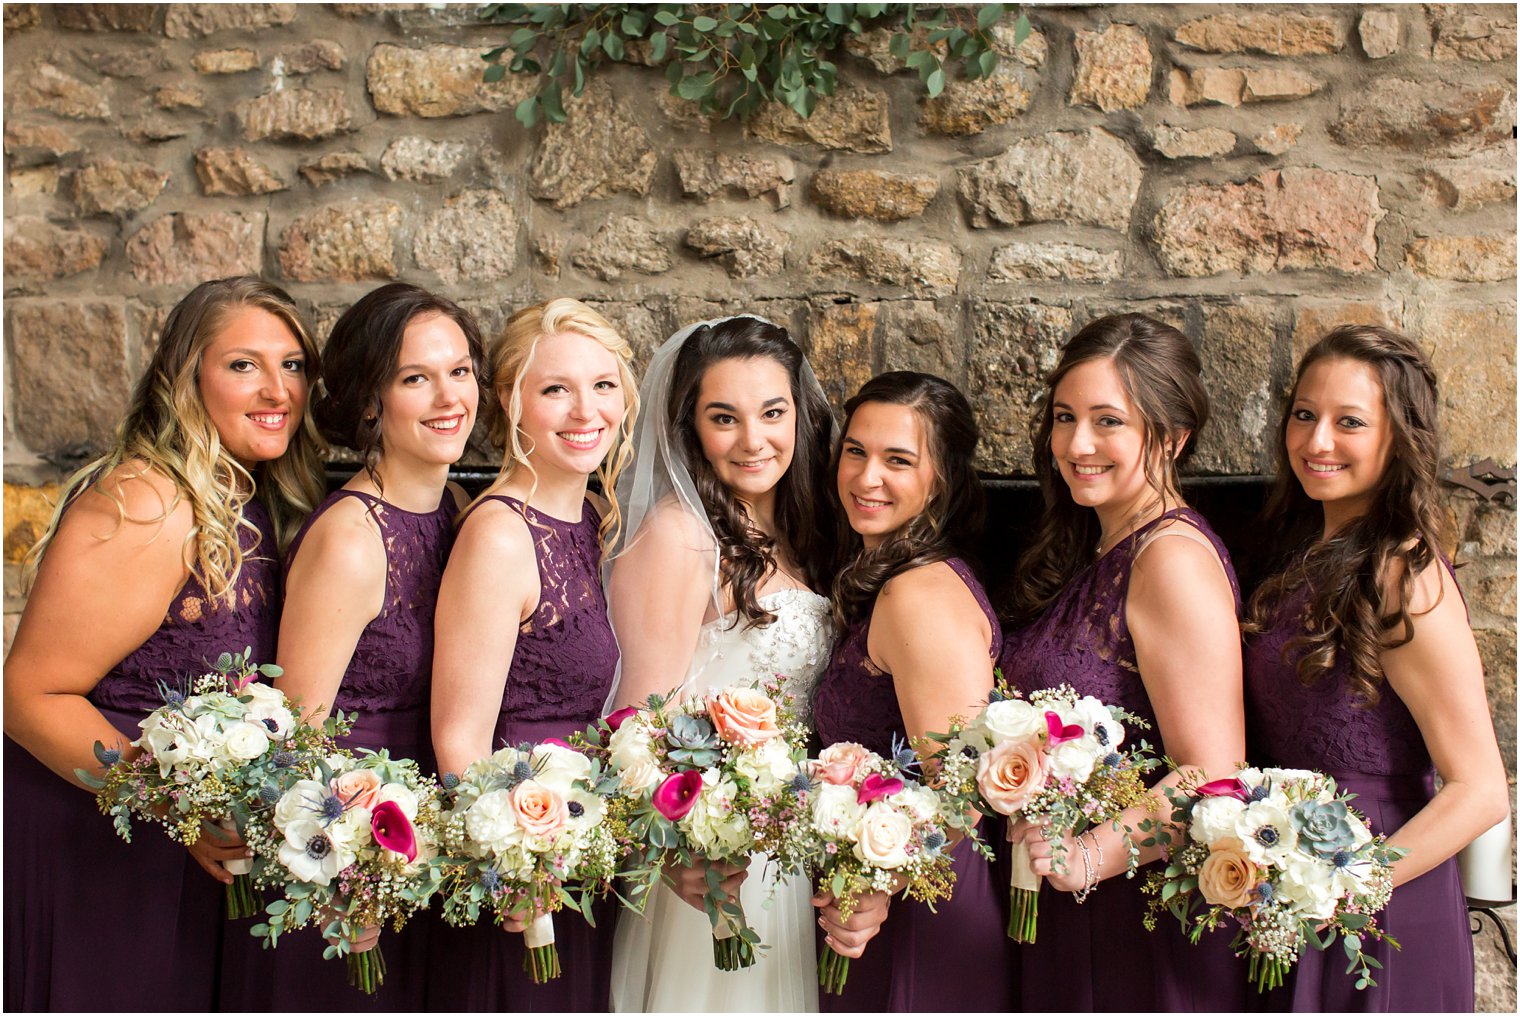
1011, 774
841, 764
358, 788
1228, 876
743, 716
539, 810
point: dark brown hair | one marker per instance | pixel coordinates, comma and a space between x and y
952, 519
363, 352
1161, 376
1349, 610
802, 519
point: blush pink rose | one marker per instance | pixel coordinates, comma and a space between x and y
743, 716
539, 810
841, 764
358, 788
1011, 774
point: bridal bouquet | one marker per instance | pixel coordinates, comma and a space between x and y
1280, 852
714, 778
526, 834
873, 827
212, 755
353, 846
1055, 756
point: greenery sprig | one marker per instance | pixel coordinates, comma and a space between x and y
732, 59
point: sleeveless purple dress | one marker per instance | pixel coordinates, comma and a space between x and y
1379, 754
387, 684
958, 959
1098, 956
562, 669
93, 923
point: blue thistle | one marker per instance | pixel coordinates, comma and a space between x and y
449, 780
109, 756
285, 759
934, 840
490, 881
801, 782
903, 754
1112, 759
523, 770
269, 794
1265, 892
1342, 859
1260, 793
174, 697
332, 808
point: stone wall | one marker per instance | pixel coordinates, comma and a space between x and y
1251, 173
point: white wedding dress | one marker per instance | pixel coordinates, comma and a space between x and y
662, 960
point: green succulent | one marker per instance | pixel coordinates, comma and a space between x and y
694, 741
1324, 828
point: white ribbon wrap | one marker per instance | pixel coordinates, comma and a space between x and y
1023, 876
238, 865
540, 933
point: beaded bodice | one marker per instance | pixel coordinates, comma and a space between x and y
796, 646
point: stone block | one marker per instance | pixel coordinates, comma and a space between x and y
1379, 32
1473, 350
1236, 353
920, 335
1278, 138
295, 114
234, 172
1472, 32
1113, 69
1087, 176
638, 324
43, 86
1279, 220
109, 187
745, 247
195, 21
1192, 143
599, 150
333, 166
624, 243
548, 248
60, 409
1233, 86
705, 174
1496, 647
1295, 34
342, 243
841, 346
1312, 318
436, 81
30, 144
1274, 84
872, 193
310, 57
1014, 345
472, 238
27, 513
225, 61
152, 130
105, 17
185, 248
21, 17
179, 97
972, 106
32, 181
1020, 261
38, 251
1463, 258
924, 267
853, 119
1428, 117
422, 159
128, 63
1465, 184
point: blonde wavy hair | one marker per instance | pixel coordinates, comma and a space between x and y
167, 429
512, 353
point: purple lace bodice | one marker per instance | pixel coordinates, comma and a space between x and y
197, 630
563, 664
392, 665
1321, 726
1083, 639
857, 702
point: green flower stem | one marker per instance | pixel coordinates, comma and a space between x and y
542, 963
833, 971
1023, 914
366, 970
1266, 972
242, 900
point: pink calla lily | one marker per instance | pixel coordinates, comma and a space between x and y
1228, 787
1060, 734
677, 795
393, 830
559, 743
875, 786
616, 719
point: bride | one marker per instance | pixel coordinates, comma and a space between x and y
729, 536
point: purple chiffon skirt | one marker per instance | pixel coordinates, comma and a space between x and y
294, 976
956, 958
1433, 969
94, 923
480, 968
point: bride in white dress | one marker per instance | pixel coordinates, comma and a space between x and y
728, 536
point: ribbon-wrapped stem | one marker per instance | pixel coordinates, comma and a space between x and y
541, 960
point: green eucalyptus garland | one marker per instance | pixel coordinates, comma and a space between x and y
732, 59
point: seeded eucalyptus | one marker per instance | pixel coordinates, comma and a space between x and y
732, 59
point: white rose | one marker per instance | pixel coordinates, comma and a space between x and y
1074, 760
629, 744
1009, 720
641, 777
884, 836
247, 741
353, 831
715, 828
402, 795
836, 812
264, 695
492, 823
311, 853
1215, 817
1264, 828
558, 767
920, 802
1308, 884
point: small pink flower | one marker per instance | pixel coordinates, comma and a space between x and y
392, 830
874, 787
677, 795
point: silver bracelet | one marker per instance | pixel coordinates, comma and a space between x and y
1088, 879
1099, 848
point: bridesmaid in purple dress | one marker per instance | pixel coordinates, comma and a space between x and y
1107, 603
163, 555
1361, 663
402, 385
522, 619
918, 646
